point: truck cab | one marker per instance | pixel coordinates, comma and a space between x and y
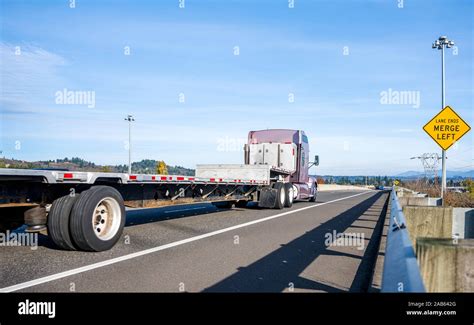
287, 150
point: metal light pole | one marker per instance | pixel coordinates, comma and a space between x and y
130, 119
441, 43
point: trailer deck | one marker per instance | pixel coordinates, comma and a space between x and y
54, 177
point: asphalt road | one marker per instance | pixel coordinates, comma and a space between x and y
203, 248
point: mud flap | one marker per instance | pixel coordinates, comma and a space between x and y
268, 197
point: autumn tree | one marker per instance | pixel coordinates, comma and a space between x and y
161, 168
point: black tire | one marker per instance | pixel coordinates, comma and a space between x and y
84, 233
58, 222
313, 198
288, 195
241, 204
224, 204
280, 195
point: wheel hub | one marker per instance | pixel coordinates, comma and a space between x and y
106, 218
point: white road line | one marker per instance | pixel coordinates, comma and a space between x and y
181, 210
86, 268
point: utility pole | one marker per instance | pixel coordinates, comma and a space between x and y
130, 119
441, 43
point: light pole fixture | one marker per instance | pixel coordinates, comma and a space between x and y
130, 119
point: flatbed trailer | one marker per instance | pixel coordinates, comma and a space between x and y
86, 210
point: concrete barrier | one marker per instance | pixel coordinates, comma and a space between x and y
463, 222
420, 201
461, 219
403, 192
446, 260
446, 265
429, 222
408, 194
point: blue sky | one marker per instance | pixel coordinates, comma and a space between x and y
335, 57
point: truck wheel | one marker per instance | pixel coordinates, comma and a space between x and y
97, 219
58, 221
289, 195
280, 196
313, 198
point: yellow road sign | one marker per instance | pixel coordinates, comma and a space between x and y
446, 128
396, 182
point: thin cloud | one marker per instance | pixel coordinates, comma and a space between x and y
27, 71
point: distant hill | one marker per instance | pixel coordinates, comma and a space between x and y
146, 166
449, 174
469, 173
410, 173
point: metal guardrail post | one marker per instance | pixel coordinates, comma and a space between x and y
401, 272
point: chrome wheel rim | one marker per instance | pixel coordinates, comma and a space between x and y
106, 219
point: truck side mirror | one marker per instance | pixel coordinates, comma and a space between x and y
316, 160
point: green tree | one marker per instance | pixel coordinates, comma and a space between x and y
469, 183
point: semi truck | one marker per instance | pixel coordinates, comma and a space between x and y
85, 211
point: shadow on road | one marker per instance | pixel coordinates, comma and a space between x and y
142, 216
275, 271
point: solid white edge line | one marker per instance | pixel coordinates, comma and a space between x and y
89, 267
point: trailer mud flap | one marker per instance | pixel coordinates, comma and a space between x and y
268, 197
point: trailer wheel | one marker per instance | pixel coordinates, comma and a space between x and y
280, 195
97, 219
58, 221
289, 195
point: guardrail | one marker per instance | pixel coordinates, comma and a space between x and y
401, 272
